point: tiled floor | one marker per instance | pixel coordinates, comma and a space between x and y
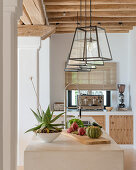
130, 158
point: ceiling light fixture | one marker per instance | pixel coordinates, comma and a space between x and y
90, 46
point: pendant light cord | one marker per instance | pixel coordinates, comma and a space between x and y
90, 21
85, 14
90, 14
77, 19
80, 12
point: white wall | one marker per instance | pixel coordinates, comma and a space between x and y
60, 47
44, 73
1, 86
32, 63
132, 66
119, 46
27, 61
132, 74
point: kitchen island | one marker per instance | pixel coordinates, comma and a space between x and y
67, 154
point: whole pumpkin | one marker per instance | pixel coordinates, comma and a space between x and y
93, 132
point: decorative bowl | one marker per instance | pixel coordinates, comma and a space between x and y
48, 137
109, 109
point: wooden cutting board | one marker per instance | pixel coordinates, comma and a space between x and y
86, 140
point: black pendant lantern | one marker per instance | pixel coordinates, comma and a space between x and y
90, 47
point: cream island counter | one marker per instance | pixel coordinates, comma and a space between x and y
66, 153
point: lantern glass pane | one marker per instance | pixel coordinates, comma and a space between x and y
77, 50
96, 63
105, 52
76, 62
91, 44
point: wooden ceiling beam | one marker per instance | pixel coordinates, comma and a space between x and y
94, 14
20, 22
110, 24
36, 30
25, 17
117, 31
94, 19
98, 7
106, 28
94, 2
108, 31
35, 11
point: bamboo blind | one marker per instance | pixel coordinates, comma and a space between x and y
101, 78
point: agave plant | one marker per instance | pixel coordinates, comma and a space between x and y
46, 122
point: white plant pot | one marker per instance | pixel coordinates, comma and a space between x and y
48, 137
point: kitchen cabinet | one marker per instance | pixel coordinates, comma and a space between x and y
121, 128
100, 119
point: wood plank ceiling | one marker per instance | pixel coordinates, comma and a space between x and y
113, 15
116, 16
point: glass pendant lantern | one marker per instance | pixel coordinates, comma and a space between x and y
90, 47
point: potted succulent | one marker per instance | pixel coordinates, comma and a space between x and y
46, 129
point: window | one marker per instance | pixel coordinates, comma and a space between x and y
72, 96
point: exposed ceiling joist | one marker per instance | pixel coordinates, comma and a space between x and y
106, 28
45, 13
20, 22
35, 10
117, 31
94, 14
94, 19
94, 2
108, 31
98, 7
25, 17
110, 24
36, 30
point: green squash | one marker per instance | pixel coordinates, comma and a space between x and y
93, 132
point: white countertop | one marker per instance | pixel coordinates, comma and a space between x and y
64, 143
104, 112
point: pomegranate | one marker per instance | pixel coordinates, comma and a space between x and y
81, 131
69, 130
74, 126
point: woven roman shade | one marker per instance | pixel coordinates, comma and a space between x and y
102, 78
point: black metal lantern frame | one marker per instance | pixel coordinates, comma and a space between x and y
90, 47
77, 68
96, 38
